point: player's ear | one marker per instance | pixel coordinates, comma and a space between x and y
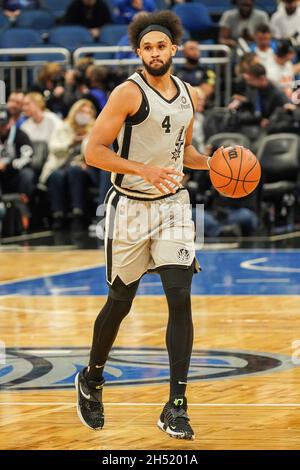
174, 49
138, 52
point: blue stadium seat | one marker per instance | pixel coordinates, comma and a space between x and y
267, 5
36, 19
112, 33
70, 37
216, 7
4, 22
56, 7
194, 17
161, 4
20, 37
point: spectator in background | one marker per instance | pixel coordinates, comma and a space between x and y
261, 99
50, 83
16, 152
41, 123
239, 82
15, 108
263, 47
77, 84
280, 68
286, 119
125, 10
198, 129
2, 212
92, 14
285, 22
241, 22
65, 172
193, 72
12, 8
95, 79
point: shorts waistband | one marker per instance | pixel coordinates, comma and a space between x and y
140, 198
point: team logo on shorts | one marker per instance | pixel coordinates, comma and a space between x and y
183, 254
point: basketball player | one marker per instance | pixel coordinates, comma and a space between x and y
149, 118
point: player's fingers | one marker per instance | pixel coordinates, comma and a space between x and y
172, 171
170, 185
173, 181
162, 188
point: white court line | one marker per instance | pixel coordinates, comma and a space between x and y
54, 290
8, 295
54, 274
262, 280
30, 236
212, 405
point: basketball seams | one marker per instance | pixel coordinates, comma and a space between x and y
234, 179
244, 181
231, 186
227, 164
241, 160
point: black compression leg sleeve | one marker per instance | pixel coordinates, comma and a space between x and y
107, 325
179, 336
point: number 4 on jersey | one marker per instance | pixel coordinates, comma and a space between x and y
166, 124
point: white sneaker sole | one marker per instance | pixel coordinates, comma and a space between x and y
171, 433
78, 408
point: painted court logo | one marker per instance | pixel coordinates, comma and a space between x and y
53, 368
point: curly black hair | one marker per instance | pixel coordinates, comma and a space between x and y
164, 18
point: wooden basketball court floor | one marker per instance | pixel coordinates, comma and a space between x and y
245, 387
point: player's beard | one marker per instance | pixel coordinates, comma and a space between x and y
158, 72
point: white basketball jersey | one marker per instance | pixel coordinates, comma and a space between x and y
155, 135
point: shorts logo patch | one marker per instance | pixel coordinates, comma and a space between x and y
183, 254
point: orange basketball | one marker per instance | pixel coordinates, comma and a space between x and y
234, 171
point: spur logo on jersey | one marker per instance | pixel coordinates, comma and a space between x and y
183, 254
56, 368
178, 145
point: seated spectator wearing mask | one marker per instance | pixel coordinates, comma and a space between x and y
285, 22
193, 72
125, 10
241, 22
16, 152
65, 173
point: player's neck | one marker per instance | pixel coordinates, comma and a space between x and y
161, 84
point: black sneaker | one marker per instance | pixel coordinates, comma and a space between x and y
89, 401
175, 421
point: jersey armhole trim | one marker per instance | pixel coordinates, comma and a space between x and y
143, 111
188, 92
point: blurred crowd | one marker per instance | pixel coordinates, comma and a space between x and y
44, 129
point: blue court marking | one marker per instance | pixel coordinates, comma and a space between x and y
244, 272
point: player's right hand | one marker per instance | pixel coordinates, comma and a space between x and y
163, 178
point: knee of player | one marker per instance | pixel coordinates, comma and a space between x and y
179, 298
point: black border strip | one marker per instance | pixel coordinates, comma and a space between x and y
125, 150
110, 227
